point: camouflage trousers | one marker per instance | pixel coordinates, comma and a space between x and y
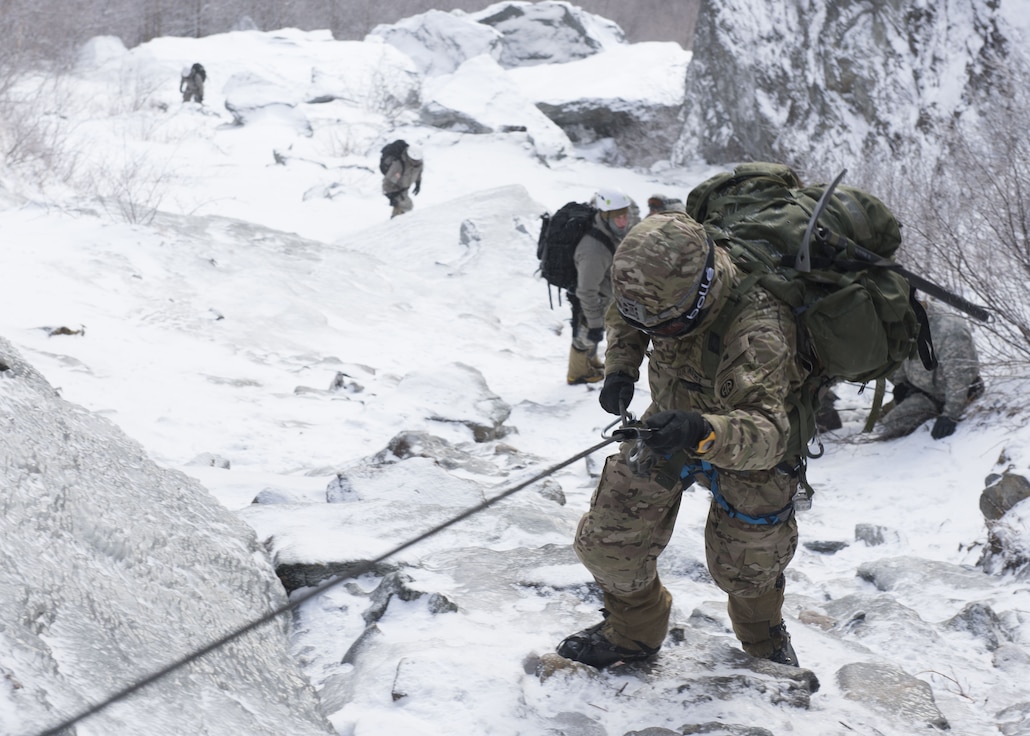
905, 418
629, 524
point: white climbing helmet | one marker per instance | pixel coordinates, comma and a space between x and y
414, 153
608, 200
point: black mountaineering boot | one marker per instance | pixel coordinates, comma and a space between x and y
783, 652
590, 646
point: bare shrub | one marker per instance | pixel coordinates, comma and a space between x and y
132, 188
967, 217
34, 134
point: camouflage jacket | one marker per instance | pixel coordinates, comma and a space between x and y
749, 404
958, 365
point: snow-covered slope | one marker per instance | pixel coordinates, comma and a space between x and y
268, 332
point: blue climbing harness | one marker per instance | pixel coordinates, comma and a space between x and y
706, 469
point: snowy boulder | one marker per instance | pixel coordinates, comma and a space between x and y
457, 394
115, 568
891, 690
548, 32
479, 97
513, 33
1001, 493
250, 98
1008, 542
635, 112
375, 75
99, 51
439, 42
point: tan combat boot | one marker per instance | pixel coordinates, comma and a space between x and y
581, 370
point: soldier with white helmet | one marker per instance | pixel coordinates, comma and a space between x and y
593, 295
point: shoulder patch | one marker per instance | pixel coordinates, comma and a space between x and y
726, 388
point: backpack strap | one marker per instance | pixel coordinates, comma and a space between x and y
606, 239
712, 354
924, 340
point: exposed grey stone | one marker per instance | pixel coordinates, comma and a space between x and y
341, 490
1009, 657
406, 445
569, 723
537, 33
210, 460
1015, 720
437, 115
397, 585
273, 495
305, 575
724, 729
873, 535
891, 690
979, 620
825, 547
894, 572
1008, 542
551, 489
880, 618
367, 638
643, 132
343, 383
1002, 494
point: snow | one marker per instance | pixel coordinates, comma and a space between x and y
216, 322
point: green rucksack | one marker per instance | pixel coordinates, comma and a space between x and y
857, 320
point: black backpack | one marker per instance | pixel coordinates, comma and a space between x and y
560, 233
391, 152
198, 69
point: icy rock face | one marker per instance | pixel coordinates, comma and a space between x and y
133, 567
512, 33
439, 42
632, 117
797, 81
1008, 548
480, 98
547, 32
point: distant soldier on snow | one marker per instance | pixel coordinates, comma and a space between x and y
403, 171
941, 394
192, 83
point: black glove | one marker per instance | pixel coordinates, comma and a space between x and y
616, 393
418, 187
943, 427
901, 390
595, 335
675, 430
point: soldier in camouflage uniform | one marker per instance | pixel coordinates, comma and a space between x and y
941, 394
670, 281
191, 83
404, 171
